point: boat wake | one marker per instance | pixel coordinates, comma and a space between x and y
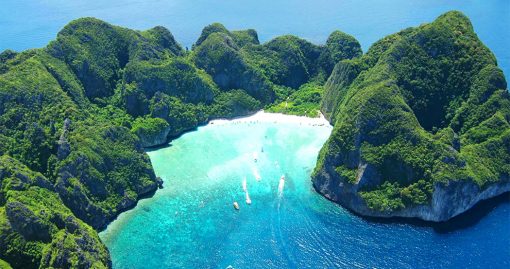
256, 173
248, 200
277, 230
281, 185
245, 189
244, 185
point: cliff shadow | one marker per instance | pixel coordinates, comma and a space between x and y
465, 220
158, 147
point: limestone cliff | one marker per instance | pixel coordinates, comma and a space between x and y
421, 125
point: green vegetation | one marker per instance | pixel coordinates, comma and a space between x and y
35, 224
339, 46
4, 265
303, 102
390, 196
424, 106
76, 115
386, 198
148, 126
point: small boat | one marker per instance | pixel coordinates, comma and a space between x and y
262, 149
236, 205
255, 156
248, 200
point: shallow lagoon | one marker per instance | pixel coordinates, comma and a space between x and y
191, 223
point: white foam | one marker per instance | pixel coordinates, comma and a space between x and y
255, 173
244, 185
281, 185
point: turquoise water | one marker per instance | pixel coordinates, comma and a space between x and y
30, 23
191, 222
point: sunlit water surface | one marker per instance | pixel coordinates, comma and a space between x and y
191, 223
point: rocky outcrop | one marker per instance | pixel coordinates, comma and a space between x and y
177, 78
297, 59
448, 199
25, 222
32, 214
421, 125
64, 148
84, 182
219, 56
339, 46
336, 87
156, 139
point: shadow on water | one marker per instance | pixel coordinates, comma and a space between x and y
170, 138
460, 222
158, 147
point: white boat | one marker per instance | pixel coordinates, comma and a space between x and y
236, 205
248, 200
255, 156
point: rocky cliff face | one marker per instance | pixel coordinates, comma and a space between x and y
447, 200
35, 222
421, 125
157, 139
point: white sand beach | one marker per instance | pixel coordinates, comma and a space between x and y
265, 117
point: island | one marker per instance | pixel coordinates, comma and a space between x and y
421, 123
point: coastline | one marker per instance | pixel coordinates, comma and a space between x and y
263, 116
258, 116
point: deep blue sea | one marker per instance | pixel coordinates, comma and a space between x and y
191, 222
33, 23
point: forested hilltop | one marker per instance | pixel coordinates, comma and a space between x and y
421, 125
76, 115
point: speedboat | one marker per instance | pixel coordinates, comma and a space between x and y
236, 205
248, 200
